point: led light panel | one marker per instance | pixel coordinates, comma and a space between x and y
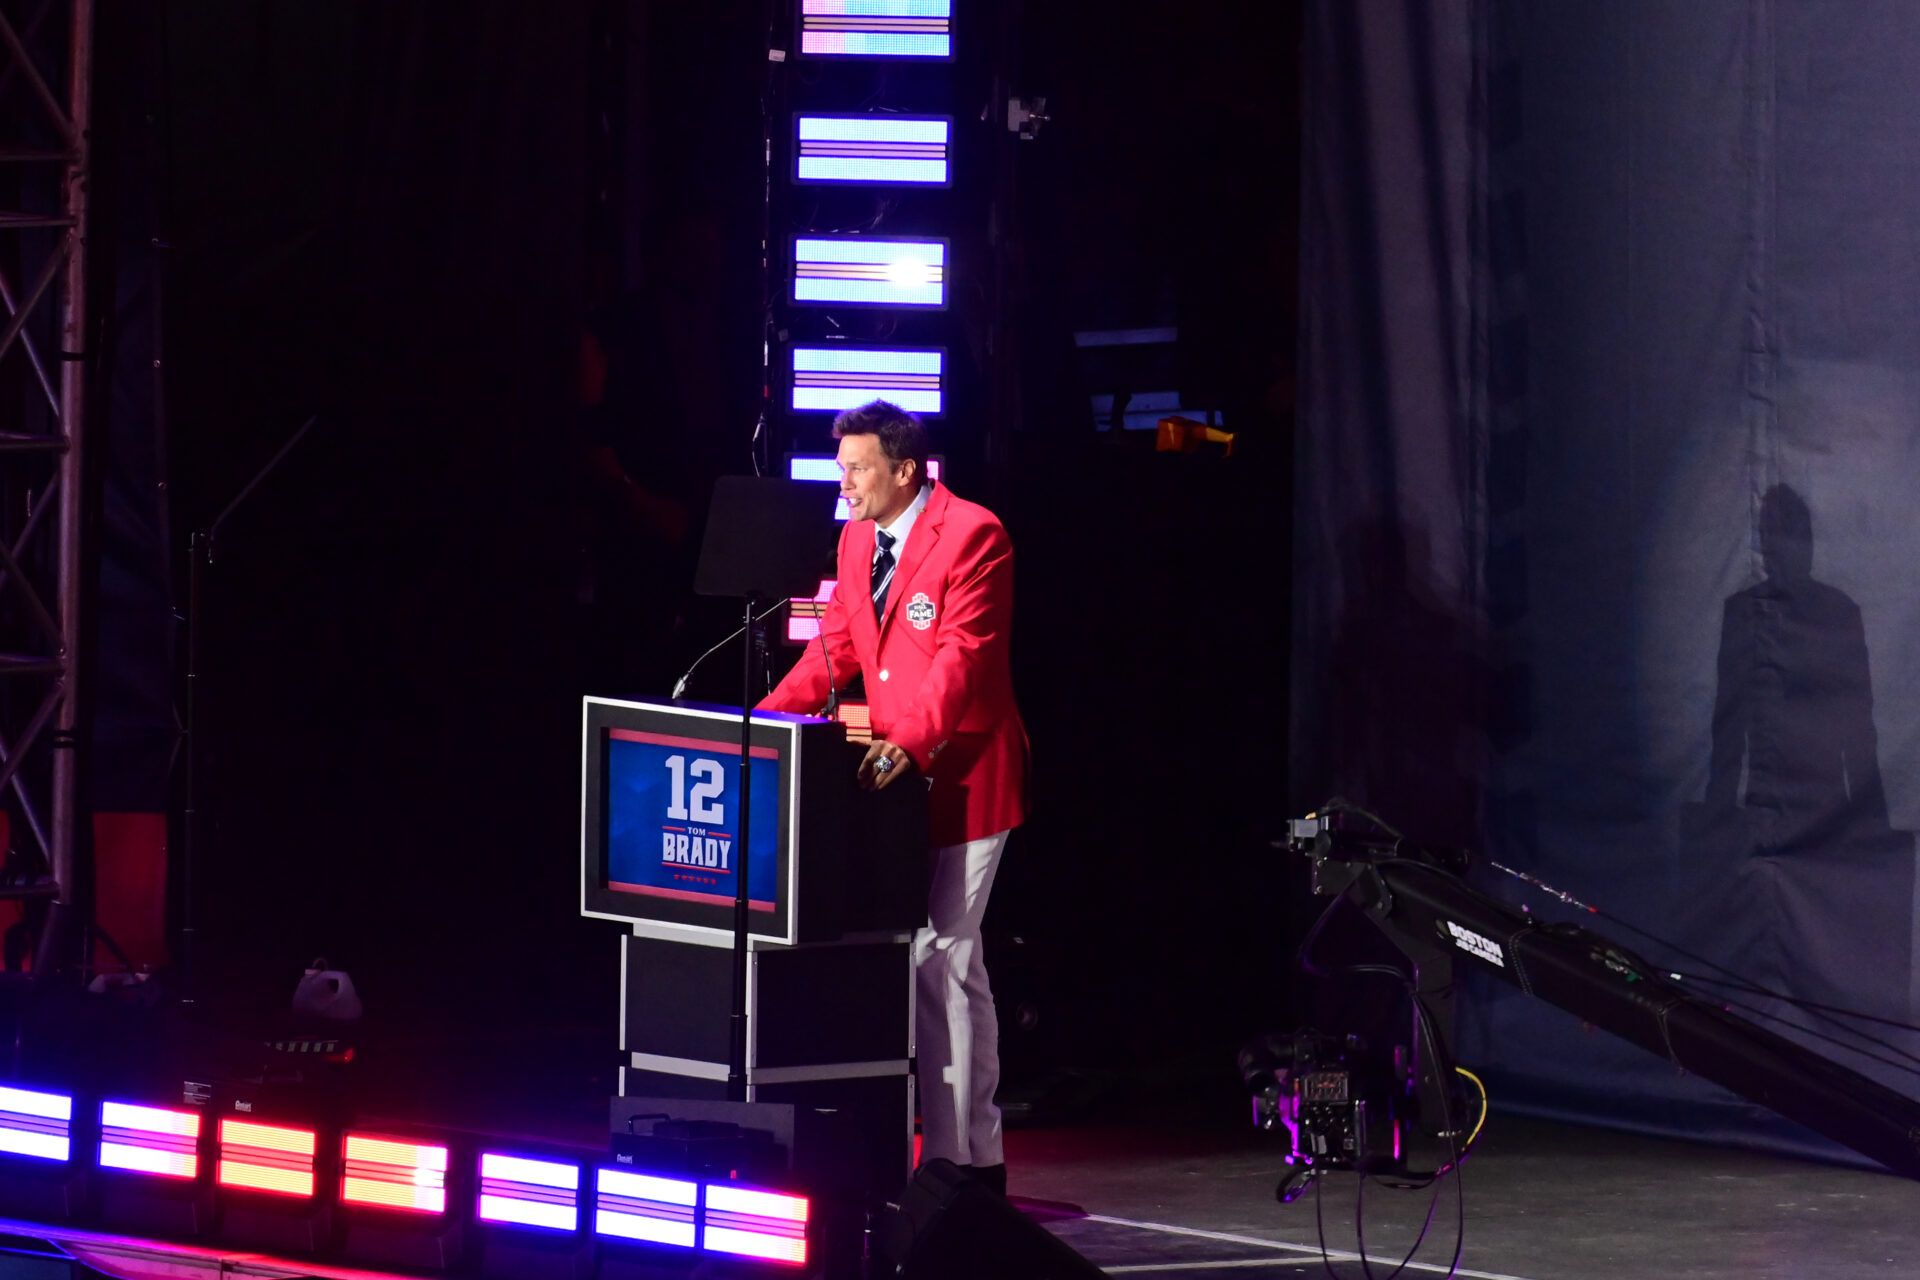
825, 468
876, 28
36, 1124
829, 379
266, 1157
523, 1192
391, 1173
886, 150
865, 271
149, 1140
803, 616
640, 1206
858, 717
755, 1224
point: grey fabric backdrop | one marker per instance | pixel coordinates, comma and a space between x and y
1607, 485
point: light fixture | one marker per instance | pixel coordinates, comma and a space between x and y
752, 1223
524, 1192
36, 1125
396, 1198
39, 1178
873, 150
151, 1140
827, 379
528, 1214
876, 29
277, 1159
646, 1208
869, 271
149, 1167
803, 616
391, 1173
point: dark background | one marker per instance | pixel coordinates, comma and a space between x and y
403, 219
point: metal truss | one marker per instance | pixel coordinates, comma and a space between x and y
46, 51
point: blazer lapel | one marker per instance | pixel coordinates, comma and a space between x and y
926, 534
856, 571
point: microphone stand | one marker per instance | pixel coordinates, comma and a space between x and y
752, 652
201, 549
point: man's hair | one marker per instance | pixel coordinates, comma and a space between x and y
901, 434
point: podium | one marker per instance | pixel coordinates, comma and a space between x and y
837, 879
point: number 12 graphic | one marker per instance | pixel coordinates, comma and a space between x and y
701, 805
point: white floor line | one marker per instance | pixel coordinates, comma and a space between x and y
1226, 1237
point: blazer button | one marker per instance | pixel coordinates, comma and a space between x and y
883, 673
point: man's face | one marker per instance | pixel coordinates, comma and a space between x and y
875, 489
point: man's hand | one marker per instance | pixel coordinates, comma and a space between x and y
884, 762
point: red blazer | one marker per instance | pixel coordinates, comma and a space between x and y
938, 679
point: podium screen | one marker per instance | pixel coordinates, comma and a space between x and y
673, 819
660, 837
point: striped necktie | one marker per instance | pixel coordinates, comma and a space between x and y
882, 570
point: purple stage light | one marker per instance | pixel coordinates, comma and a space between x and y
36, 1124
143, 1139
645, 1207
524, 1192
876, 29
831, 378
867, 271
884, 150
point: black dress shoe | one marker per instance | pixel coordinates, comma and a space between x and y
991, 1176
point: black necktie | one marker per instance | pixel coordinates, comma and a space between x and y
882, 570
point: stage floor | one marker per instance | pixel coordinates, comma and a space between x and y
1543, 1202
1170, 1182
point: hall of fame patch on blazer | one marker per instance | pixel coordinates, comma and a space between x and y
920, 611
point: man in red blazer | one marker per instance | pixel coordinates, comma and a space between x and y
922, 608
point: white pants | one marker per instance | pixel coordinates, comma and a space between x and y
958, 1038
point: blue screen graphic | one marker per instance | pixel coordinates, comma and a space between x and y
673, 812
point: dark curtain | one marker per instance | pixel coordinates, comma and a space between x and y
1608, 437
378, 214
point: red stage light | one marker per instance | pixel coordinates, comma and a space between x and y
392, 1173
266, 1157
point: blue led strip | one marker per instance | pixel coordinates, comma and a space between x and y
829, 379
885, 150
36, 1124
876, 28
869, 271
639, 1206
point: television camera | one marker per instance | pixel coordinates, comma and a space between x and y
1420, 902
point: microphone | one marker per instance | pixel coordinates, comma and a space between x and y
680, 685
833, 690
